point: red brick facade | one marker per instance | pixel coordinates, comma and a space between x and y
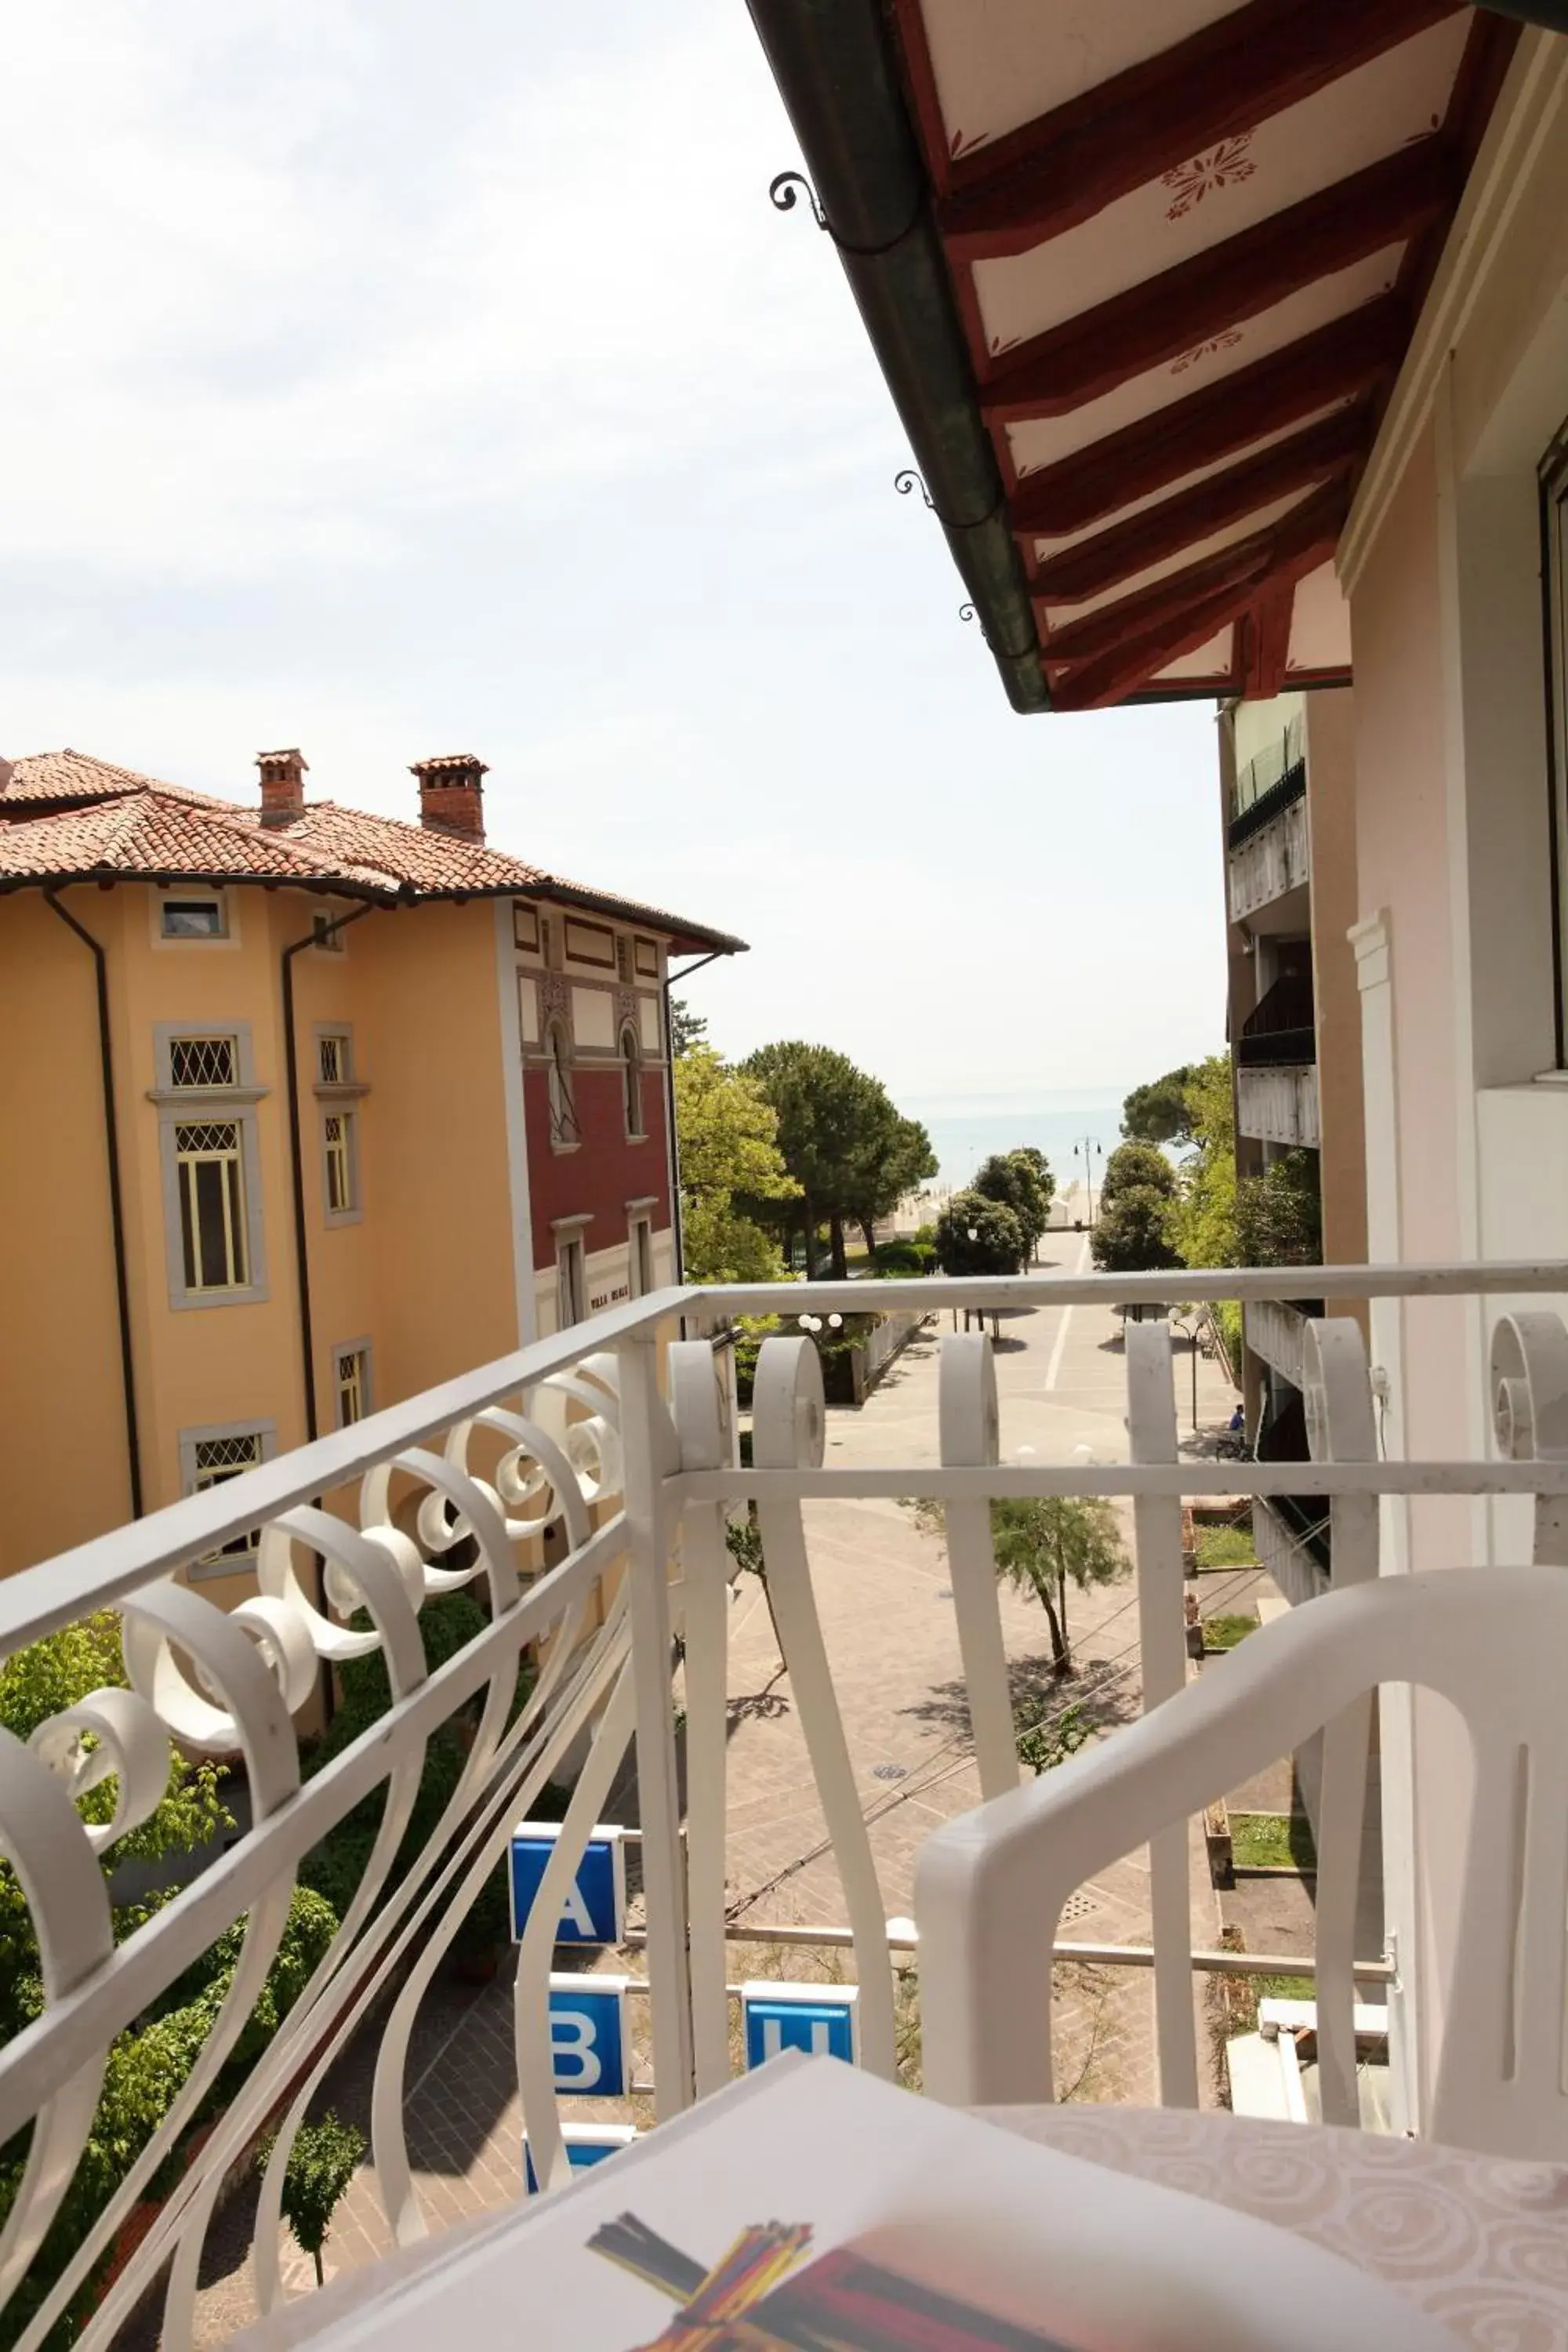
607, 1170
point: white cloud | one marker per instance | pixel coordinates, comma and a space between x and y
393, 379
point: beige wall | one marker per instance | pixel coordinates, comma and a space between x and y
63, 1461
425, 1274
1467, 1129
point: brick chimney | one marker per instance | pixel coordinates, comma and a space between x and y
282, 785
451, 795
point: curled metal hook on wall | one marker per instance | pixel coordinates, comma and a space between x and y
784, 191
968, 613
907, 481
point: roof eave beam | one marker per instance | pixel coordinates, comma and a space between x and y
1108, 345
1061, 169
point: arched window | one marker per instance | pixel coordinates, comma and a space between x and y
631, 1080
558, 1069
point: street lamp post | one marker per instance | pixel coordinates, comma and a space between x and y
1088, 1150
1190, 1334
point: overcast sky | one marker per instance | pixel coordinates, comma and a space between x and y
393, 378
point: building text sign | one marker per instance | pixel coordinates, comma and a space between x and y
595, 1910
586, 2144
590, 2050
818, 2019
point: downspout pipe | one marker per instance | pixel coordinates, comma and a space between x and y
116, 1199
672, 1138
838, 73
297, 1155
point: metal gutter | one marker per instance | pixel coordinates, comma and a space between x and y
116, 1201
672, 1139
836, 71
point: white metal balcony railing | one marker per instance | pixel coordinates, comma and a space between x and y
1278, 1332
1275, 859
1279, 1106
620, 1453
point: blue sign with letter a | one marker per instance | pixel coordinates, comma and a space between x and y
586, 2144
589, 2048
819, 2019
595, 1910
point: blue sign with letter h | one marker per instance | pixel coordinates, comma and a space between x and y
595, 1910
819, 2019
588, 2045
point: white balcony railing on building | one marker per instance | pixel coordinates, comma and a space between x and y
601, 1454
1279, 1106
1278, 1332
1272, 861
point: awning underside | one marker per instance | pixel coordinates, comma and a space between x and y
1187, 245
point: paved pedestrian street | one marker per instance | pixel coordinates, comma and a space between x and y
880, 1577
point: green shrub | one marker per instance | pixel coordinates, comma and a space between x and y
1226, 1548
901, 1258
447, 1623
320, 2166
146, 2069
1273, 1841
1223, 1632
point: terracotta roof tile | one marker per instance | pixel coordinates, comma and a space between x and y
130, 826
67, 776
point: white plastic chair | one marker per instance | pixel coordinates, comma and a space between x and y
991, 1886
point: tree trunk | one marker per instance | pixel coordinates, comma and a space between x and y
316, 2258
1061, 1656
869, 1233
809, 1215
836, 1240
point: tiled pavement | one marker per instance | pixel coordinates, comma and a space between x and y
882, 1592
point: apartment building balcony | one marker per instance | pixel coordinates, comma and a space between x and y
581, 1492
1278, 1105
1277, 1331
1268, 843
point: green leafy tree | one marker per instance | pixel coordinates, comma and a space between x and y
730, 1164
1279, 1214
1203, 1218
148, 2065
1045, 1543
1022, 1182
41, 1681
686, 1028
997, 1246
1130, 1236
1042, 1746
322, 2163
852, 1154
1159, 1112
1137, 1167
898, 1158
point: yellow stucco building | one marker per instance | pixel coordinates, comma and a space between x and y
306, 1111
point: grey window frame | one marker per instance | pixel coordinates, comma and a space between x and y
631, 1078
361, 1348
214, 1564
338, 1098
209, 1105
570, 1248
639, 1228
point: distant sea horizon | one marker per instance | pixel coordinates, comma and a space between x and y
964, 1130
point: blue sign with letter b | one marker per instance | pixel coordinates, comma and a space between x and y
588, 2042
819, 2019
